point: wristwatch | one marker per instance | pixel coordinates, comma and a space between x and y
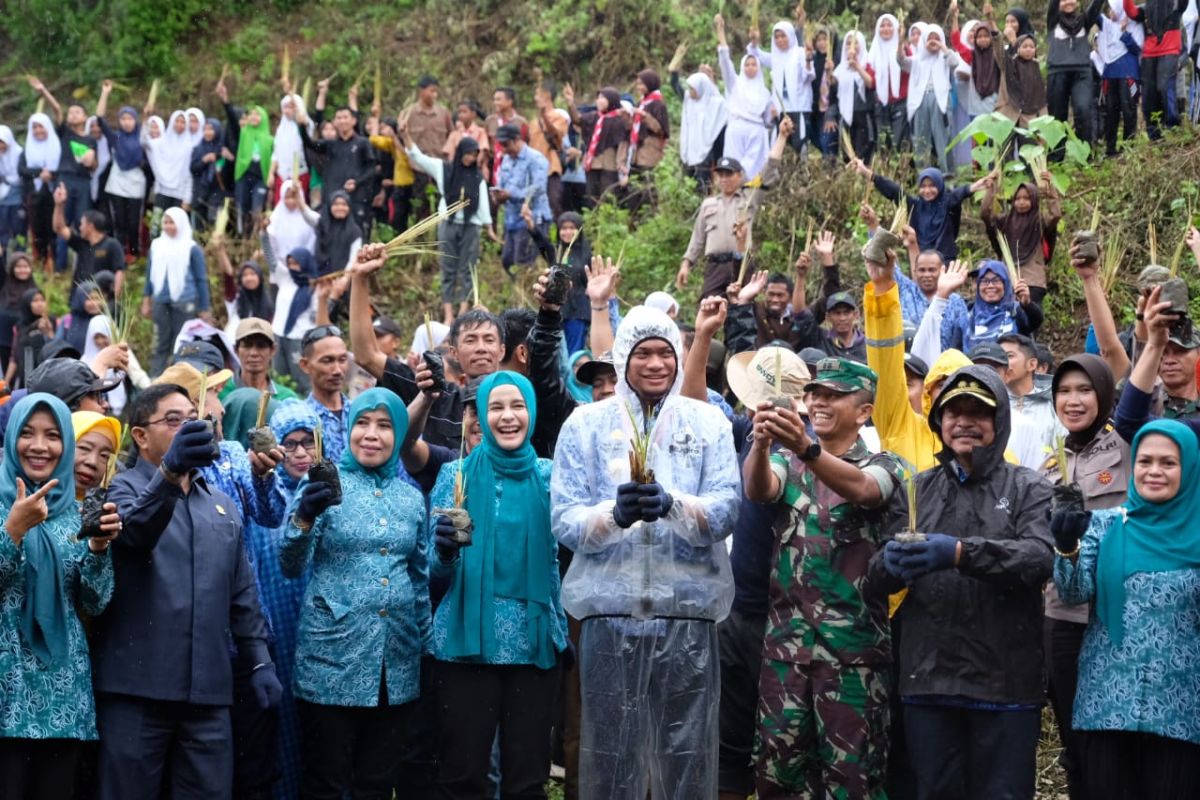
811, 453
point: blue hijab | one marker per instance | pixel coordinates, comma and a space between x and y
302, 299
510, 554
127, 147
371, 400
1150, 537
990, 321
291, 415
43, 619
581, 393
928, 217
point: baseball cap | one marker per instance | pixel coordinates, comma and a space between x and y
201, 355
386, 326
1185, 336
916, 365
839, 299
812, 356
59, 348
506, 133
728, 164
751, 376
988, 353
589, 372
966, 385
251, 326
184, 374
69, 379
843, 375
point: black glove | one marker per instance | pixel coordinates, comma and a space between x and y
444, 539
1068, 528
192, 448
628, 509
267, 688
316, 497
655, 502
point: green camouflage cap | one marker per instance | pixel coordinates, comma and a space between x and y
844, 375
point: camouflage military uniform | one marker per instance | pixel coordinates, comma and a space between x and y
823, 689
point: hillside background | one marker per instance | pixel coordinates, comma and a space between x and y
475, 46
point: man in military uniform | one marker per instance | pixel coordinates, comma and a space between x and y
823, 689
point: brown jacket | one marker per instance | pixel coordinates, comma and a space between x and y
546, 133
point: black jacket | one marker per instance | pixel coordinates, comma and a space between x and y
345, 159
555, 403
444, 427
976, 631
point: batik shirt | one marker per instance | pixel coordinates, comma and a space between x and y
821, 608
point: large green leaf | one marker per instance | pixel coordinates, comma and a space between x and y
1078, 151
1049, 130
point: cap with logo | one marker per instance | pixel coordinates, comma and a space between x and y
728, 164
386, 326
839, 299
251, 326
966, 386
589, 372
751, 376
843, 375
988, 353
916, 365
201, 355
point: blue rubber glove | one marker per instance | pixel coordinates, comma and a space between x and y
266, 686
192, 448
918, 559
316, 497
655, 502
628, 509
891, 558
1068, 527
444, 543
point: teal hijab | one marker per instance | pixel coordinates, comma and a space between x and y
1152, 537
371, 400
509, 554
580, 392
241, 414
43, 620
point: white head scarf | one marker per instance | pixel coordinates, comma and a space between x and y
848, 79
288, 229
170, 256
287, 139
786, 62
749, 97
10, 160
883, 61
98, 326
929, 69
421, 342
170, 155
197, 137
702, 119
44, 154
662, 301
103, 156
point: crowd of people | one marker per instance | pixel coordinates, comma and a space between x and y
816, 544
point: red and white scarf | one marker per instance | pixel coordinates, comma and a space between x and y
637, 122
595, 141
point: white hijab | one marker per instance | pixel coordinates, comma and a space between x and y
10, 160
287, 138
197, 137
929, 69
170, 155
171, 256
98, 326
883, 61
848, 79
702, 119
786, 62
288, 229
46, 153
748, 97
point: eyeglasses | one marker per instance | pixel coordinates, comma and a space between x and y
292, 445
991, 281
172, 421
318, 333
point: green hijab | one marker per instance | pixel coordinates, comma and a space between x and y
371, 400
1150, 537
241, 414
254, 138
43, 615
510, 552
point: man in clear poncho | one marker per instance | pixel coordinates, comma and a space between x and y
650, 576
